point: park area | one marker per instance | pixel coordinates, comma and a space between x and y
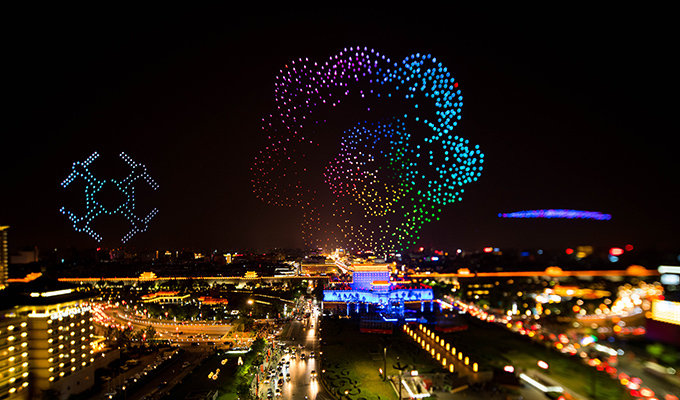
352, 360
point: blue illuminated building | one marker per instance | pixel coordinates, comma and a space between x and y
372, 291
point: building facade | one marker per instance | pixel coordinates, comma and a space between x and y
46, 341
4, 257
372, 290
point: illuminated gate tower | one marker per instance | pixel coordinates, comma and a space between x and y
372, 290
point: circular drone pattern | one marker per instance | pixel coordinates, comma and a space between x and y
95, 208
366, 148
559, 213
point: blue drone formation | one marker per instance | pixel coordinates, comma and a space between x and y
559, 213
95, 208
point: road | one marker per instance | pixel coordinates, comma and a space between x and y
303, 337
176, 332
170, 375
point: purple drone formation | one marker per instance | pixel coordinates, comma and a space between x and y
559, 213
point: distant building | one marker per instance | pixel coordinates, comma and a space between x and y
211, 301
4, 256
283, 271
318, 266
165, 297
25, 256
372, 291
664, 324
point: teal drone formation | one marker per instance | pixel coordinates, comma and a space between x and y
95, 208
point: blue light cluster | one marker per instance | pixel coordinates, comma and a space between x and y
94, 208
377, 297
559, 213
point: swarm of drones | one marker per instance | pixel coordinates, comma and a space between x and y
367, 147
95, 208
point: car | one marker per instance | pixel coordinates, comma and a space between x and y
311, 354
302, 356
313, 374
278, 392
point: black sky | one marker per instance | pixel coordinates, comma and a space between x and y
571, 109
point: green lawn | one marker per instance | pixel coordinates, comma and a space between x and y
352, 359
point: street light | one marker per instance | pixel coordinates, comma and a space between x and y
401, 369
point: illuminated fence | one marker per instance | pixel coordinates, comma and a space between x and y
443, 352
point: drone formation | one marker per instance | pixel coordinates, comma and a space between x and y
95, 208
558, 213
368, 185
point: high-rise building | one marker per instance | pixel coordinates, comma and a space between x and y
4, 257
13, 357
46, 340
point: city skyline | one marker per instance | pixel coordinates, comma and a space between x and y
567, 112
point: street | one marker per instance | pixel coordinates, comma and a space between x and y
302, 361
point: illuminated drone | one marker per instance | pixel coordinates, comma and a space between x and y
95, 208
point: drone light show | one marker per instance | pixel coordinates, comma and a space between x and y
367, 147
559, 213
94, 208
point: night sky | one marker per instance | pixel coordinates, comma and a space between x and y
571, 110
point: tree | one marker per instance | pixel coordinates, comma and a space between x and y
248, 324
150, 333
